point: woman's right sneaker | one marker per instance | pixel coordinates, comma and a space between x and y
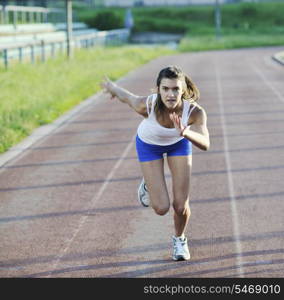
143, 194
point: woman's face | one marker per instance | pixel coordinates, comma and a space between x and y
171, 92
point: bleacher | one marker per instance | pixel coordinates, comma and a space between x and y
22, 29
31, 32
31, 40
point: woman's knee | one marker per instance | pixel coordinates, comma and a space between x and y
161, 209
181, 208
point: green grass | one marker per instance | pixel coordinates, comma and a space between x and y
228, 41
34, 95
242, 25
193, 19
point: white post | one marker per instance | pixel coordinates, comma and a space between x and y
69, 27
217, 19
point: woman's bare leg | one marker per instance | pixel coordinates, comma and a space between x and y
153, 173
180, 167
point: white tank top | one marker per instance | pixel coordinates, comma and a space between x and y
151, 132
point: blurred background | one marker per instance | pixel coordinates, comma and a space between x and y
53, 53
240, 22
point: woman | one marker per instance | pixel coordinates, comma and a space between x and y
173, 121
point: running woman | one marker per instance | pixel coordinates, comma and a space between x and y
173, 121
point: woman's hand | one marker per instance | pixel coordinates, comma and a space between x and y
108, 87
177, 122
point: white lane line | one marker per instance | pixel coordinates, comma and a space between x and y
97, 196
267, 82
234, 210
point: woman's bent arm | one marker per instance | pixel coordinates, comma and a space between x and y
198, 133
200, 140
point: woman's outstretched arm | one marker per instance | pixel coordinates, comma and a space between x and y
138, 103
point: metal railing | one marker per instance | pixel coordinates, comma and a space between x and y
42, 49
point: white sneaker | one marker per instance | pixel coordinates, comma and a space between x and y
180, 249
143, 195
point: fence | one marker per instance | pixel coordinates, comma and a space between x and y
42, 48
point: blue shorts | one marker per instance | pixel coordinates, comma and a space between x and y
148, 152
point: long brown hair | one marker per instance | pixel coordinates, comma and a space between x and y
190, 93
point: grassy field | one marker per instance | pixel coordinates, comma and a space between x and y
242, 24
229, 41
33, 95
265, 17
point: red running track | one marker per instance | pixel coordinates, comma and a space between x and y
68, 204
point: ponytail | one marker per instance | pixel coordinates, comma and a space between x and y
191, 93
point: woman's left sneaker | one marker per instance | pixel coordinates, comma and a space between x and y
143, 194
